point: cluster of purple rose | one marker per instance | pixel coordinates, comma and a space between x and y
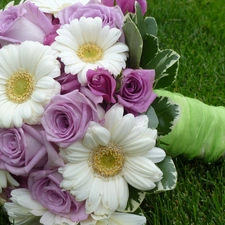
31, 153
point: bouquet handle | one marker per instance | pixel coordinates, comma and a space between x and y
198, 131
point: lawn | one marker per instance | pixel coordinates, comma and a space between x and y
196, 30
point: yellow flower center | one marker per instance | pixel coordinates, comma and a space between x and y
20, 86
107, 161
90, 53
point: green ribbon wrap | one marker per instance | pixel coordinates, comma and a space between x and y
198, 131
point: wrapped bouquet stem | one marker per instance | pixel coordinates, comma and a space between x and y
198, 130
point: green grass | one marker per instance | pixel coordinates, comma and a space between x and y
196, 30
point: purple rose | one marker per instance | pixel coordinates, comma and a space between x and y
66, 118
111, 16
68, 82
102, 83
23, 22
127, 5
44, 186
136, 93
50, 38
26, 148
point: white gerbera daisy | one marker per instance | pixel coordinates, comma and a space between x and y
115, 219
5, 179
23, 210
27, 73
54, 6
84, 44
100, 166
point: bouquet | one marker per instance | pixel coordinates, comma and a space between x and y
80, 120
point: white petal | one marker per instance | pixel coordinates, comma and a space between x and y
142, 176
89, 140
76, 152
123, 193
9, 113
126, 219
139, 146
143, 167
156, 155
113, 117
109, 197
123, 129
141, 183
100, 134
38, 96
25, 111
110, 37
142, 121
95, 195
3, 180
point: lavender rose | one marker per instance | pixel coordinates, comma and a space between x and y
68, 82
111, 16
66, 118
102, 83
23, 149
23, 22
44, 186
136, 93
127, 5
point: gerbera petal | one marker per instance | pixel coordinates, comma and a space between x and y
76, 152
126, 219
113, 117
8, 116
111, 37
141, 183
38, 96
123, 193
7, 64
156, 155
25, 111
78, 179
110, 199
141, 173
117, 47
95, 195
76, 30
123, 129
136, 134
89, 141
143, 167
82, 193
100, 134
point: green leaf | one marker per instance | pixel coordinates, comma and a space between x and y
168, 77
134, 43
150, 50
162, 62
169, 179
151, 26
166, 111
135, 199
139, 19
153, 121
